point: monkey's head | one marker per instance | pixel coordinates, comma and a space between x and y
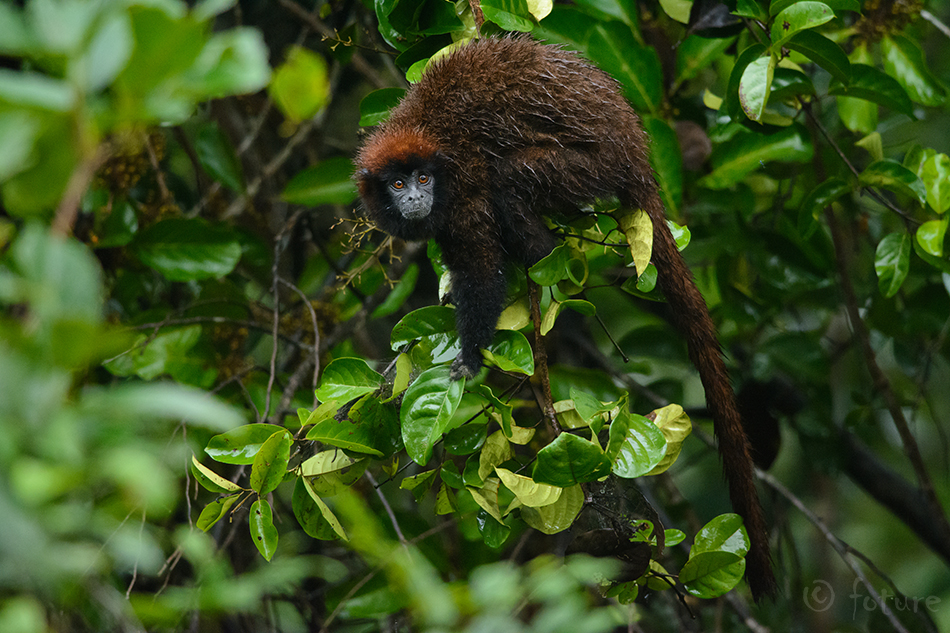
402, 181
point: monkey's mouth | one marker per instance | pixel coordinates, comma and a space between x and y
416, 212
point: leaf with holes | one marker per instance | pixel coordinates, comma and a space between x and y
263, 532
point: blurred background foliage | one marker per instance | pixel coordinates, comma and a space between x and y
172, 176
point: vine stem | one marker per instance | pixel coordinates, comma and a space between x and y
545, 398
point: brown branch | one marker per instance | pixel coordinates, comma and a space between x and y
881, 384
545, 398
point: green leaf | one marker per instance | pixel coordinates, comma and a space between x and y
106, 54
892, 175
696, 53
558, 516
232, 62
329, 472
427, 409
162, 401
371, 427
325, 511
493, 533
419, 484
871, 84
466, 439
818, 199
823, 52
755, 85
930, 236
666, 158
510, 15
892, 262
939, 263
798, 17
497, 450
18, 134
375, 107
211, 480
553, 267
218, 158
300, 86
570, 460
188, 249
589, 407
435, 323
502, 409
554, 310
637, 228
270, 464
904, 61
935, 173
752, 9
712, 574
214, 511
240, 445
263, 532
724, 533
16, 38
635, 446
675, 426
160, 356
677, 9
731, 104
119, 227
347, 378
788, 84
310, 515
401, 292
329, 182
487, 498
529, 492
636, 68
511, 351
836, 5
208, 9
747, 151
716, 562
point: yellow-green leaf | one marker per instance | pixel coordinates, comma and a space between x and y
529, 492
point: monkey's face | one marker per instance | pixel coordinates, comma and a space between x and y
405, 197
412, 194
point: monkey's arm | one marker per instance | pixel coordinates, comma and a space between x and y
478, 293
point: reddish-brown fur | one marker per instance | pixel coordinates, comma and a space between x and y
515, 130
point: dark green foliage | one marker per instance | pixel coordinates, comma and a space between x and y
196, 355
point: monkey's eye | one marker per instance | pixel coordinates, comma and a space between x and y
423, 179
398, 184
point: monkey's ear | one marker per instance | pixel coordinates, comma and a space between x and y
362, 174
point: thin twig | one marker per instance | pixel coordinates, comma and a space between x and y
845, 551
545, 398
316, 329
857, 174
387, 507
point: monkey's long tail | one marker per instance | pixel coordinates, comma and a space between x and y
692, 318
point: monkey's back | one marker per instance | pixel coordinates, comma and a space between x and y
510, 101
